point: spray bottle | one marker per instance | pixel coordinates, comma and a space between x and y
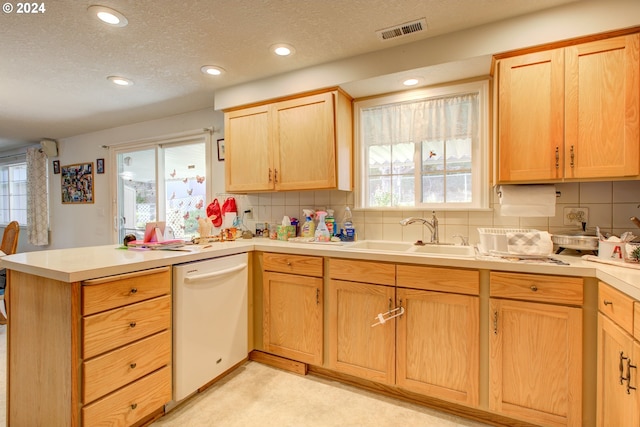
322, 233
349, 230
309, 227
331, 222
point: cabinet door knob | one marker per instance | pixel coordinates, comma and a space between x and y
572, 157
557, 157
495, 322
134, 405
534, 288
132, 324
133, 291
133, 365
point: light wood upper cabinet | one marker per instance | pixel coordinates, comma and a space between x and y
248, 152
303, 143
570, 113
530, 125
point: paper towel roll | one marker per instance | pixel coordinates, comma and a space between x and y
527, 200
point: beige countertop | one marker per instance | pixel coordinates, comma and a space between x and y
77, 264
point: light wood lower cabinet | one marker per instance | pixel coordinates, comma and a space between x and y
126, 347
357, 348
618, 354
438, 345
293, 307
535, 349
431, 349
96, 352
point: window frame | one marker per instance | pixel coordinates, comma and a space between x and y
480, 153
13, 161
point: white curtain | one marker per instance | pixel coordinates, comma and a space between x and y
447, 118
37, 198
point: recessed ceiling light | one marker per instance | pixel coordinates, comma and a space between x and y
212, 70
283, 49
411, 82
108, 15
120, 81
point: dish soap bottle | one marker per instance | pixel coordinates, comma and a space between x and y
330, 221
347, 223
309, 227
322, 233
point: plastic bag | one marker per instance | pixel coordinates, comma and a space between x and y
214, 213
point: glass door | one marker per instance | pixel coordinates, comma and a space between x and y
163, 182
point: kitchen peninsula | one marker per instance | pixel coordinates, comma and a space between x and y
56, 337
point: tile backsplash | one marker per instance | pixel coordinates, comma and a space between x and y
610, 205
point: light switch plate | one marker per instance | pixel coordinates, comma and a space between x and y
575, 216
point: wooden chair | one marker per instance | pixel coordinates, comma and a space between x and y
9, 247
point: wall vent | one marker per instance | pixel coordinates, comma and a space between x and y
402, 29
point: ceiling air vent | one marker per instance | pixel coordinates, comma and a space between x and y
402, 29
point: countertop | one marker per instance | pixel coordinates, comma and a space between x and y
77, 264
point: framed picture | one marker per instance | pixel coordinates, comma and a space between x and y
77, 183
221, 150
100, 166
56, 167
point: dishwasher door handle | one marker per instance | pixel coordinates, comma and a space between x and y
215, 274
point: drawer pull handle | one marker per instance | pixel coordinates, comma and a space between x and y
608, 302
621, 367
288, 263
629, 366
495, 322
132, 324
134, 405
534, 288
133, 365
133, 291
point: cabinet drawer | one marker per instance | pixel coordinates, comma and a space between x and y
363, 271
103, 374
439, 279
296, 264
616, 305
116, 291
129, 405
114, 328
537, 287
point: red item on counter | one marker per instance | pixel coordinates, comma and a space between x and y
214, 213
229, 205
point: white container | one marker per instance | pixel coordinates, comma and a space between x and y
615, 251
495, 239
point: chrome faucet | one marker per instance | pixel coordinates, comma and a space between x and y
431, 225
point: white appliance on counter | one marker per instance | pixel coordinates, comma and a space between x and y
210, 323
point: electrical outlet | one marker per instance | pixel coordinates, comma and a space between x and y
576, 216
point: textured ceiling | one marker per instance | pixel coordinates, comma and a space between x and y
53, 65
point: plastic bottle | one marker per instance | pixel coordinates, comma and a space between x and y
322, 233
309, 227
349, 230
330, 221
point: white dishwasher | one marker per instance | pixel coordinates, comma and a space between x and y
209, 320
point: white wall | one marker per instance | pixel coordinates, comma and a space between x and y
75, 225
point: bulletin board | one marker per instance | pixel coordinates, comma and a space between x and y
77, 183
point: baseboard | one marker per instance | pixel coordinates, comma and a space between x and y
279, 362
